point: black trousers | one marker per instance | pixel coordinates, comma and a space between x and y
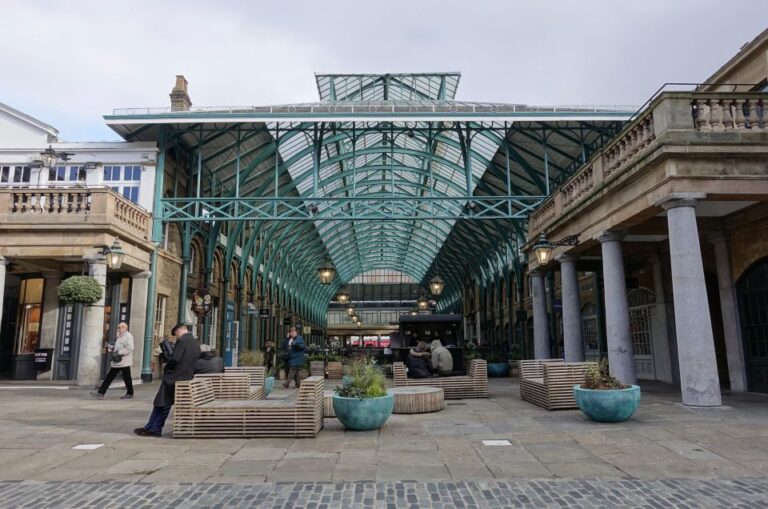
111, 377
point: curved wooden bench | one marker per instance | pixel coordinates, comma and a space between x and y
233, 385
474, 385
199, 414
554, 389
258, 374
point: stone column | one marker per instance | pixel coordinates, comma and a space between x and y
699, 381
733, 344
3, 265
573, 341
621, 356
50, 321
541, 349
138, 319
92, 340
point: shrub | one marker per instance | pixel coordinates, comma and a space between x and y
493, 358
80, 289
365, 381
599, 377
250, 358
316, 358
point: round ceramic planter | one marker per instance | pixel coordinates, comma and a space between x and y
498, 369
363, 414
614, 405
269, 382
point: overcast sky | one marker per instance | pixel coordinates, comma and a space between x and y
69, 63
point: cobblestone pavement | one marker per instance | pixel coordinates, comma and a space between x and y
690, 493
717, 456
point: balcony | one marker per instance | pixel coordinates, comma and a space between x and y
687, 127
73, 209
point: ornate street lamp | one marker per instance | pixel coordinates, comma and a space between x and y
326, 272
543, 248
342, 297
436, 285
114, 254
50, 157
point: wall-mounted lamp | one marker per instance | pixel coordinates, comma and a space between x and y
543, 248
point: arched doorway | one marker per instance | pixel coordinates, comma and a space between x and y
752, 290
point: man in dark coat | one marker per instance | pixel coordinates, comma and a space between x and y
180, 367
417, 363
209, 362
294, 347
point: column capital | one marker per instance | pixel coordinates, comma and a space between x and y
95, 259
611, 236
537, 273
142, 275
674, 200
567, 258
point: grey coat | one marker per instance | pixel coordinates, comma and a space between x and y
180, 367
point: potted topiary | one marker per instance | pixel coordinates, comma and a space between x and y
80, 290
496, 365
603, 398
363, 403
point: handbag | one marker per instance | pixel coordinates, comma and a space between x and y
116, 357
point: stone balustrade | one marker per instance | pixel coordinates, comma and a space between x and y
735, 112
679, 112
45, 208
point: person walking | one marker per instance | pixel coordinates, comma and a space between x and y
180, 367
294, 348
121, 358
269, 355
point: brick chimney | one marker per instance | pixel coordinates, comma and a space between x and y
180, 100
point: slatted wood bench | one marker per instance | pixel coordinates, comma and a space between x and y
553, 390
473, 385
234, 385
258, 374
199, 414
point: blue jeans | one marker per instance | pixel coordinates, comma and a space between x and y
157, 418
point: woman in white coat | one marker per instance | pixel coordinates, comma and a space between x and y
121, 360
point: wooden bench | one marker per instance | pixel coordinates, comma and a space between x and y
234, 385
258, 374
549, 382
199, 414
417, 400
473, 385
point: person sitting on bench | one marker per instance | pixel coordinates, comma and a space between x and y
418, 362
442, 360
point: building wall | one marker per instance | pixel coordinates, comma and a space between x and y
748, 235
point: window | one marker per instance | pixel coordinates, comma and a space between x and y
66, 174
14, 176
124, 180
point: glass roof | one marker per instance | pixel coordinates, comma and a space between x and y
387, 87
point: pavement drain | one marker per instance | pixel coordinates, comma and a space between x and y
87, 447
496, 442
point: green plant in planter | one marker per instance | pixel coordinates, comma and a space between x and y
365, 381
471, 352
493, 358
250, 358
80, 289
334, 358
315, 358
514, 353
599, 377
603, 398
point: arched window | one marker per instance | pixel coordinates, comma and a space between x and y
640, 301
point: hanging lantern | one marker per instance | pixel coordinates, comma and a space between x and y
342, 297
543, 250
115, 255
436, 285
326, 273
413, 312
422, 303
350, 310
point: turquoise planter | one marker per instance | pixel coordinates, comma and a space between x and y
607, 405
269, 382
363, 414
497, 369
